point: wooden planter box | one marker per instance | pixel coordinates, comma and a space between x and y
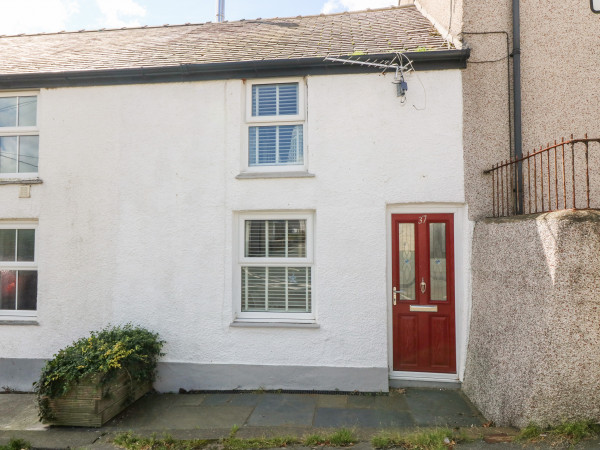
90, 404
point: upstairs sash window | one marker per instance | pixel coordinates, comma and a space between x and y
19, 139
277, 139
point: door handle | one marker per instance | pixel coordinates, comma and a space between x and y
394, 292
423, 286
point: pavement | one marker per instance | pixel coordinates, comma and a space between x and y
212, 416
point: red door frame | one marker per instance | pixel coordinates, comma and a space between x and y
424, 341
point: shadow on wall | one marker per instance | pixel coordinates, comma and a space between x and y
532, 354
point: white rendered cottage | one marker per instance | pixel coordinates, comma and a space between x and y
281, 220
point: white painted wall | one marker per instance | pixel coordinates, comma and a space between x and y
137, 206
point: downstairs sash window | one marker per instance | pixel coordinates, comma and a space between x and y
18, 272
276, 267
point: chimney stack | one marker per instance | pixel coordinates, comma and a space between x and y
220, 10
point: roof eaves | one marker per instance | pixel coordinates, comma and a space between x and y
429, 60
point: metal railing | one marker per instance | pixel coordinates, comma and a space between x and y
549, 179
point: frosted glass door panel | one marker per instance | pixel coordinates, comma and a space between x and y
437, 260
406, 255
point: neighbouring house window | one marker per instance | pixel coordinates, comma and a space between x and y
276, 125
276, 266
19, 136
18, 271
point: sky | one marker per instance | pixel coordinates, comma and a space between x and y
40, 16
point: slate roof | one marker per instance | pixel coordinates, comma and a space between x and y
364, 32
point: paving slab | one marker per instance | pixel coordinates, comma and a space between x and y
332, 401
147, 411
362, 417
19, 412
383, 402
438, 407
188, 418
284, 410
232, 399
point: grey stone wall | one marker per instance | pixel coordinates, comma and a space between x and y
534, 348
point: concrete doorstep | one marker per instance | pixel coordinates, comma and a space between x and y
212, 416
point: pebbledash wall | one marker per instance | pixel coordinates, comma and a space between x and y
532, 352
137, 218
533, 349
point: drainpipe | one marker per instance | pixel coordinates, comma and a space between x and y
518, 139
220, 10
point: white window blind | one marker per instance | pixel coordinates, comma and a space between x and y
276, 144
280, 289
270, 284
275, 99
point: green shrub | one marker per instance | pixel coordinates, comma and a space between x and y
106, 352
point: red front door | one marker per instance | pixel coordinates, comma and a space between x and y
423, 293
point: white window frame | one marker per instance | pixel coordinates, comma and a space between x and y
10, 314
21, 131
252, 121
241, 261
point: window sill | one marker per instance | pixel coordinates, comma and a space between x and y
20, 180
256, 175
240, 324
32, 321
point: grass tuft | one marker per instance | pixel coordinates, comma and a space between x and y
571, 432
16, 444
531, 431
314, 439
434, 439
342, 438
167, 442
241, 444
576, 431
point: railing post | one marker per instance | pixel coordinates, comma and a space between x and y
573, 169
587, 171
519, 186
555, 175
564, 174
529, 182
493, 191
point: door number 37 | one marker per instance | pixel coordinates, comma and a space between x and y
422, 219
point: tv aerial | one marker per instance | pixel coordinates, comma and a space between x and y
395, 65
